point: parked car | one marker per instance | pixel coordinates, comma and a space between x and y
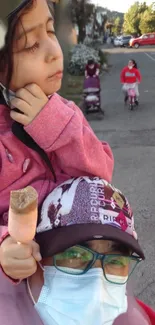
117, 41
146, 39
125, 41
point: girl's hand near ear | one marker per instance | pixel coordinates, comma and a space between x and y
30, 101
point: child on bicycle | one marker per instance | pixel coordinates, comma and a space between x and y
130, 77
44, 139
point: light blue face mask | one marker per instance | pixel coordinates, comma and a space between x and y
87, 299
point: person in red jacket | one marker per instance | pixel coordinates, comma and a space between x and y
130, 77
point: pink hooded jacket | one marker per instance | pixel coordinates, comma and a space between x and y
71, 145
73, 149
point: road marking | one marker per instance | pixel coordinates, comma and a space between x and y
149, 56
149, 91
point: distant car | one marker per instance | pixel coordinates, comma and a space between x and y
125, 41
146, 39
117, 41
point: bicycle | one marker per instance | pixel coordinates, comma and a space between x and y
131, 98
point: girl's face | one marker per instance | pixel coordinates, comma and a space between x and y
37, 54
130, 64
92, 66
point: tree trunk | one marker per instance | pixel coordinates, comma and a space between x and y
81, 21
82, 32
63, 28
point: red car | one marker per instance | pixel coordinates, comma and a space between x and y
146, 39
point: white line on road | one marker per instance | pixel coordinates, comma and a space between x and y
149, 56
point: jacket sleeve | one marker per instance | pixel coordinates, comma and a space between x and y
148, 310
122, 76
61, 128
3, 235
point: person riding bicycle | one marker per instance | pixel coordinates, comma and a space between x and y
130, 77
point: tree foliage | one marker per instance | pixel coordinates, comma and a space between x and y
147, 23
117, 26
81, 12
132, 18
139, 19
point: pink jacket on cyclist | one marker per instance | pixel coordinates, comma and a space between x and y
72, 147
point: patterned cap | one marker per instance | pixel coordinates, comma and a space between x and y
83, 209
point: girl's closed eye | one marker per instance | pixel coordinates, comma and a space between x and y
51, 32
36, 45
32, 48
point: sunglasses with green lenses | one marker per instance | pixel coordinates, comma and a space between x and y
78, 260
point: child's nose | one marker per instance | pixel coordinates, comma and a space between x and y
50, 52
49, 57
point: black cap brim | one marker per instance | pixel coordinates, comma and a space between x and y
54, 241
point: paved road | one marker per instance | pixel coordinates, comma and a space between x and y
132, 137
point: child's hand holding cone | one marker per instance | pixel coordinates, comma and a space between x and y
19, 254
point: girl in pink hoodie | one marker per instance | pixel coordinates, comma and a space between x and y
44, 139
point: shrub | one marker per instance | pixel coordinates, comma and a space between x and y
79, 57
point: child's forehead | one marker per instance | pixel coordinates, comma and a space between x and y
34, 17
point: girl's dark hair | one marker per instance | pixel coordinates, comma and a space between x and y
91, 61
6, 54
6, 65
135, 64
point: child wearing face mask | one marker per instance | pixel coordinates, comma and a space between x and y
90, 250
44, 139
130, 77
